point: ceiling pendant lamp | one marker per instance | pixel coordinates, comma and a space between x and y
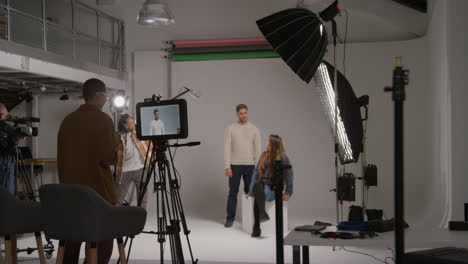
155, 13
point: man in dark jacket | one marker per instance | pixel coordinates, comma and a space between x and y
86, 148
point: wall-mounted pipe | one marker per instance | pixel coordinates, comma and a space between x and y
229, 49
219, 42
225, 56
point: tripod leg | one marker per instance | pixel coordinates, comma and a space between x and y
184, 222
179, 209
173, 249
178, 243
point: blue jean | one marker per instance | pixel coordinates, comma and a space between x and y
238, 172
7, 175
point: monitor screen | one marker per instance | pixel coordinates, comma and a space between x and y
162, 120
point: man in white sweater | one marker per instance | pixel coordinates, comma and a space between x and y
242, 150
157, 125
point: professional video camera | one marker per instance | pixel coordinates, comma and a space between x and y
14, 128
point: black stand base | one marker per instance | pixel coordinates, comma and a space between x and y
458, 226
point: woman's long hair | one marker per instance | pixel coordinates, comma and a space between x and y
267, 161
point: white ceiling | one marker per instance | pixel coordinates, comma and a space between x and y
369, 20
376, 20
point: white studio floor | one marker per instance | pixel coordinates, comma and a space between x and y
213, 243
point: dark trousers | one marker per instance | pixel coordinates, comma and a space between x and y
72, 252
260, 215
238, 172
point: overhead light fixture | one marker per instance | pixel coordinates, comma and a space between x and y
155, 13
349, 122
43, 88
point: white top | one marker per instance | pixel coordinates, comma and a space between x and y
242, 145
157, 127
132, 159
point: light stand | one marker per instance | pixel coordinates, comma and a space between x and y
335, 132
278, 187
364, 102
400, 80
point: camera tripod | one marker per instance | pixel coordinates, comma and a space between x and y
169, 210
13, 161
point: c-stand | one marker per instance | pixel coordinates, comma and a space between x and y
278, 186
400, 80
169, 210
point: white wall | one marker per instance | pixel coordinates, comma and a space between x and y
279, 104
457, 58
441, 110
282, 104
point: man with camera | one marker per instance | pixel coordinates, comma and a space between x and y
7, 168
242, 150
87, 146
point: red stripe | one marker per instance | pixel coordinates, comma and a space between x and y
219, 42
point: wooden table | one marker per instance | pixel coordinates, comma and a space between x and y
40, 161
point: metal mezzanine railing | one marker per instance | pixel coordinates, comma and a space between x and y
68, 28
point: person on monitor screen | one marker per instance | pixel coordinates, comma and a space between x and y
157, 125
260, 186
131, 160
242, 149
87, 146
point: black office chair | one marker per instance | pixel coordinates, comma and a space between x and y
75, 212
19, 217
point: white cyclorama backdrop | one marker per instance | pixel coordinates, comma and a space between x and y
168, 114
282, 104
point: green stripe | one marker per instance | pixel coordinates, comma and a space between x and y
225, 56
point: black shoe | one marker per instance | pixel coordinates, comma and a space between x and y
256, 232
265, 217
228, 223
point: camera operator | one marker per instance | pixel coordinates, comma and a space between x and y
7, 168
131, 160
87, 146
